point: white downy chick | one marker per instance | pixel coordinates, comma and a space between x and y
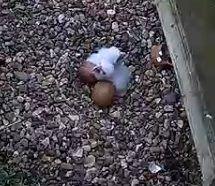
104, 59
121, 78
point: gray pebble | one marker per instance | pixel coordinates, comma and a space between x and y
78, 153
170, 98
89, 161
24, 142
90, 174
66, 166
86, 148
168, 108
46, 142
134, 182
115, 26
22, 76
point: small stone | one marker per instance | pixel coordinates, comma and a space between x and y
86, 148
48, 80
20, 99
123, 163
168, 178
61, 18
78, 153
157, 100
183, 115
46, 142
74, 117
5, 122
180, 123
66, 166
64, 81
2, 57
111, 12
22, 76
134, 182
52, 53
154, 168
9, 43
166, 133
170, 98
27, 106
137, 78
116, 114
77, 54
82, 17
46, 158
115, 26
90, 161
90, 173
54, 137
69, 174
149, 73
58, 161
62, 126
158, 115
9, 75
149, 43
151, 33
38, 111
15, 153
24, 142
93, 143
168, 108
145, 34
138, 147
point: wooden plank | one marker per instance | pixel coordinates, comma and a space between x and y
189, 85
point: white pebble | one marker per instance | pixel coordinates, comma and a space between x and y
78, 153
93, 143
115, 26
57, 161
16, 153
61, 18
74, 117
134, 182
123, 163
180, 123
69, 174
154, 168
20, 99
111, 12
158, 114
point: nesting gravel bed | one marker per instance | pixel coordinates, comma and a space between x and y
49, 126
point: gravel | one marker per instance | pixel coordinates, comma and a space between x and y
48, 124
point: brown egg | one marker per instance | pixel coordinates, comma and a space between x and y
86, 74
103, 93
